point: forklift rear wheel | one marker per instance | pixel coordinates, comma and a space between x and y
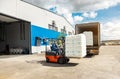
61, 61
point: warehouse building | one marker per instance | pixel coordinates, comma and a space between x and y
25, 26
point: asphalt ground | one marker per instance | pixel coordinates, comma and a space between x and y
106, 65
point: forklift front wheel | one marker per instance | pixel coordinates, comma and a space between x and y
47, 60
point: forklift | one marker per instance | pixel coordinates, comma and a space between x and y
57, 56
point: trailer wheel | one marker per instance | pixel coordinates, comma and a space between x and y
67, 60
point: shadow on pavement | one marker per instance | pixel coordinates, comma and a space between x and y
89, 56
44, 63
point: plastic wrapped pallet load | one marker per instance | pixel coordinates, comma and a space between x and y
75, 45
89, 38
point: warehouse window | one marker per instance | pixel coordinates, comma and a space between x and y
53, 26
63, 30
37, 41
49, 26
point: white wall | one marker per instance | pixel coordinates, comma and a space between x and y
40, 49
8, 7
31, 13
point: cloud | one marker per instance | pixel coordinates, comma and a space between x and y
73, 20
93, 14
69, 18
90, 14
94, 5
76, 5
62, 10
78, 18
85, 14
110, 30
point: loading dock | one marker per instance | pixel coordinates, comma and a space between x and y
14, 34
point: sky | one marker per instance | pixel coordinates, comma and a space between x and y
107, 12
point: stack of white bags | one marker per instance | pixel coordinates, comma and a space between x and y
75, 45
89, 38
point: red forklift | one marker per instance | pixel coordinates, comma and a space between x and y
57, 56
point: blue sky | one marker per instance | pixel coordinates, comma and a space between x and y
107, 12
106, 15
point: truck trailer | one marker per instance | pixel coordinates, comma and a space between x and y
93, 37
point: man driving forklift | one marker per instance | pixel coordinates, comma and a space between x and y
54, 47
56, 55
